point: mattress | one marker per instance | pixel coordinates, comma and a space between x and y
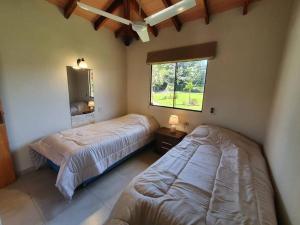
87, 151
213, 177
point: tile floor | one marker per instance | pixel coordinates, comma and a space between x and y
34, 200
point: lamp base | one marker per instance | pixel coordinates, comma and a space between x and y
173, 129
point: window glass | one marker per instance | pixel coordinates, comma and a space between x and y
163, 80
179, 85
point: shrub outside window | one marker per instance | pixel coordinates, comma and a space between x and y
179, 85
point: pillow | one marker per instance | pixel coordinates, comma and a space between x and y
200, 132
74, 110
78, 108
82, 107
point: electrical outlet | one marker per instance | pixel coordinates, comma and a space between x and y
99, 109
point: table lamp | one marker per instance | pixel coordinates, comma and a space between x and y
91, 105
173, 121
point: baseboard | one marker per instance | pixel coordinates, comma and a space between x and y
26, 171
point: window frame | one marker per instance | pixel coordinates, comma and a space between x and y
175, 81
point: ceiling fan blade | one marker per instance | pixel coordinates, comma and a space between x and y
142, 31
103, 13
170, 12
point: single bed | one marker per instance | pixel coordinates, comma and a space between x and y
86, 152
213, 177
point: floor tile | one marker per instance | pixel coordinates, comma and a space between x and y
99, 217
109, 187
79, 210
41, 187
17, 208
34, 200
135, 166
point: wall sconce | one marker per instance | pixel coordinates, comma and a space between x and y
81, 63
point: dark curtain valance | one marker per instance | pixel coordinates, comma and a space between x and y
187, 53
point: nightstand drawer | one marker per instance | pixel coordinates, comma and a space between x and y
165, 148
166, 140
162, 149
166, 144
169, 140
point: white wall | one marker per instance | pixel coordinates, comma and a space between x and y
283, 148
36, 45
240, 80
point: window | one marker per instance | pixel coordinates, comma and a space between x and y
179, 85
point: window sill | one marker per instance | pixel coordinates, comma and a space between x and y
168, 107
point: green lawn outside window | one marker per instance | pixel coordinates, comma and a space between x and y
179, 85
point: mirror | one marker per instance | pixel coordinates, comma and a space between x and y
81, 91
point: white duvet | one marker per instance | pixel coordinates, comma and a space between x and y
213, 177
88, 151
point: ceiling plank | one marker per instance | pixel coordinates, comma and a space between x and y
113, 6
70, 8
206, 11
245, 8
176, 21
136, 8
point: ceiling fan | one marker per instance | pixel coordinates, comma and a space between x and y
141, 26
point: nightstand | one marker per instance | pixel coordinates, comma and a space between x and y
165, 140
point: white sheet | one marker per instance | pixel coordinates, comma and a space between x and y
88, 151
213, 177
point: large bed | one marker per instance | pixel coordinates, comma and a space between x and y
213, 177
86, 152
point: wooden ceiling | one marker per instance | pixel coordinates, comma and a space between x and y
130, 9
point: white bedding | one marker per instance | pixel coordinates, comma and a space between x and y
213, 177
88, 151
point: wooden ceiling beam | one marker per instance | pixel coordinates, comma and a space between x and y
136, 8
126, 5
245, 8
125, 32
112, 7
70, 8
206, 11
176, 21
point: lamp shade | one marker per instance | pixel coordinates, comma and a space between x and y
82, 63
91, 104
173, 120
